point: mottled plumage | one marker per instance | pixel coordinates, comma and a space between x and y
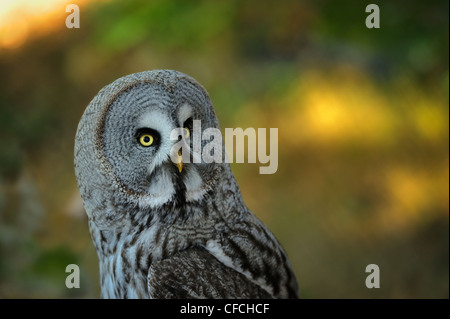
159, 232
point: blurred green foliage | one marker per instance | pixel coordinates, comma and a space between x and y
363, 133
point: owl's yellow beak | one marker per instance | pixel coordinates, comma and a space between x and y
179, 162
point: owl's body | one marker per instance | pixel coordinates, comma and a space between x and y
163, 231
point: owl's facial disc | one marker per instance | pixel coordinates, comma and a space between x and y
138, 145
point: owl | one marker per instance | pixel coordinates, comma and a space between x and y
164, 228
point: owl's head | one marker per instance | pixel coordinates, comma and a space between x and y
124, 146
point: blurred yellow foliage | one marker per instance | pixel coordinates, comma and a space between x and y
430, 119
344, 106
415, 197
330, 113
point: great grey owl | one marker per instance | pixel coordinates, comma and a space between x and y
162, 230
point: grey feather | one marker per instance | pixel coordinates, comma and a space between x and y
199, 276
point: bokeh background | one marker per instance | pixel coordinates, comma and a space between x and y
362, 116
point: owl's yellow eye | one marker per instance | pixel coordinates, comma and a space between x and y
187, 133
146, 140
